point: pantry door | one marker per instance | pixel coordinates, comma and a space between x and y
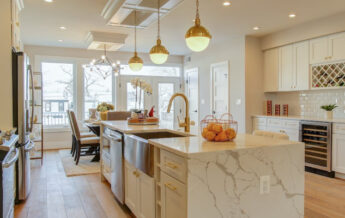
220, 88
192, 92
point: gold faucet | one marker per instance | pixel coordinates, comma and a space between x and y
187, 121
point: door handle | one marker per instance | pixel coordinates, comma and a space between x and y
9, 163
32, 145
195, 111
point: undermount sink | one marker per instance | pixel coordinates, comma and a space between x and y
139, 152
158, 135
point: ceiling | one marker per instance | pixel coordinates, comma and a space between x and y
41, 21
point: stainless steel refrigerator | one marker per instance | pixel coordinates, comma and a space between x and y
23, 111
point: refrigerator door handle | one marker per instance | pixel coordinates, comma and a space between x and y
9, 163
30, 147
32, 98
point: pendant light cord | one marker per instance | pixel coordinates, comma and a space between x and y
135, 30
197, 9
159, 19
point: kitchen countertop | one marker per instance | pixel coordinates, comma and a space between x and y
7, 144
307, 118
194, 144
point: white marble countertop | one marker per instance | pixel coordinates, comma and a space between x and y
295, 117
194, 143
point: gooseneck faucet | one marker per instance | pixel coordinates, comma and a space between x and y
187, 121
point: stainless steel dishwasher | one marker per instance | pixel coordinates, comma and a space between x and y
116, 163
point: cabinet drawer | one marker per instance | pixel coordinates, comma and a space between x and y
291, 124
259, 121
275, 122
174, 165
339, 128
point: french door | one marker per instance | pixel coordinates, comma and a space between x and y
162, 90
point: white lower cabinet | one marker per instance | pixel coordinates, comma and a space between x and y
139, 192
173, 197
338, 153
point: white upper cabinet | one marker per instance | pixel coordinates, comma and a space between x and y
336, 47
286, 82
318, 50
301, 66
271, 70
329, 48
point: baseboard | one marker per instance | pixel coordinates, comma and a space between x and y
340, 175
51, 145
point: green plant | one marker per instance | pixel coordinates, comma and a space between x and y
329, 107
102, 107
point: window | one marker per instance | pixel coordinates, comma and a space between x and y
97, 88
161, 71
57, 93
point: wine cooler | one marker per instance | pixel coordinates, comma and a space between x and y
317, 137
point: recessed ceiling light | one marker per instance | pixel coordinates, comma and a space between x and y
256, 28
50, 1
292, 15
60, 40
226, 3
62, 28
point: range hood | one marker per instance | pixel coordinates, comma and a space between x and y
121, 12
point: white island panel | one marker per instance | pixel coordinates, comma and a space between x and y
227, 184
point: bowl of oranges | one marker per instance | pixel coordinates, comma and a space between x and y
219, 130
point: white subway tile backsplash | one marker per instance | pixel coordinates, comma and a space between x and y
308, 103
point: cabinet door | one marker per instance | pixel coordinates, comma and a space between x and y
301, 66
271, 70
337, 47
286, 68
174, 197
131, 188
338, 153
319, 50
146, 196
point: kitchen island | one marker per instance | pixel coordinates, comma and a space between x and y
250, 177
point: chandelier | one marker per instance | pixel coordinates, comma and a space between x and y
101, 66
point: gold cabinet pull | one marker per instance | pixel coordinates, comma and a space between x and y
170, 186
171, 165
135, 173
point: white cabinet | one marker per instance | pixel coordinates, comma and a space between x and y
173, 197
338, 148
336, 47
329, 48
301, 66
318, 50
286, 80
294, 67
271, 70
139, 192
17, 6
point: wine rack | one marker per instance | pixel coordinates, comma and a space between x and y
318, 145
328, 75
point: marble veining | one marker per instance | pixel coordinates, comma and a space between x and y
227, 184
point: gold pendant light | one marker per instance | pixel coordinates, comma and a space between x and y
158, 53
135, 63
197, 37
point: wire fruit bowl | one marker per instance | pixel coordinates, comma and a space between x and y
219, 130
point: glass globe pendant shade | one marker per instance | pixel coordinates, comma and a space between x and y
135, 63
158, 53
197, 37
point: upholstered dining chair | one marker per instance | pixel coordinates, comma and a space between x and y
82, 134
83, 142
275, 135
118, 115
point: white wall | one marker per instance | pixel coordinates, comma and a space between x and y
254, 80
309, 30
5, 66
232, 50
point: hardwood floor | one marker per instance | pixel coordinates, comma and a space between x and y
54, 195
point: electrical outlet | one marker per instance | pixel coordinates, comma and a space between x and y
264, 185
